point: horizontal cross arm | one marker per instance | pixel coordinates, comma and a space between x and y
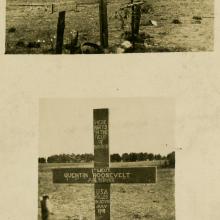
105, 175
133, 175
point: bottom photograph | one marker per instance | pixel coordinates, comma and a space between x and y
102, 159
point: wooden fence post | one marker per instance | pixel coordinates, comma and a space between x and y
60, 32
132, 23
137, 20
103, 21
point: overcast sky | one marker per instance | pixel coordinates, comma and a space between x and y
135, 125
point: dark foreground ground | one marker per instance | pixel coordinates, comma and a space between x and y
128, 201
182, 25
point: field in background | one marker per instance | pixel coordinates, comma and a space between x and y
128, 201
34, 24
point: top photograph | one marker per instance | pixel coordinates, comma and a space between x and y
108, 26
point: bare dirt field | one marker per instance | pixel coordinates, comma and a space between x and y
182, 25
128, 201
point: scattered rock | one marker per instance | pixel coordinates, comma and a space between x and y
33, 44
146, 44
125, 47
176, 21
126, 44
149, 23
11, 30
91, 48
120, 50
152, 22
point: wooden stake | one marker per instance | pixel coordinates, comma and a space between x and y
103, 21
132, 23
137, 19
60, 32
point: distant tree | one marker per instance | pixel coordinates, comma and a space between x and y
133, 157
125, 157
164, 158
150, 156
171, 159
115, 158
145, 156
158, 157
166, 164
86, 157
140, 156
73, 158
53, 159
89, 157
78, 158
41, 160
70, 158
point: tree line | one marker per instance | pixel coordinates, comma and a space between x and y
125, 157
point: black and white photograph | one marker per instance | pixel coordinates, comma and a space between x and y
108, 26
106, 158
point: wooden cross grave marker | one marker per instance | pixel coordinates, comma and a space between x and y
102, 175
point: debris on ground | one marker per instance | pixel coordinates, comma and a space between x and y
149, 23
91, 48
126, 44
176, 21
20, 43
33, 44
153, 23
11, 30
124, 47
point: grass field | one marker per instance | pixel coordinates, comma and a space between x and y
128, 201
32, 24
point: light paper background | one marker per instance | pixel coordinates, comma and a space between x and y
192, 79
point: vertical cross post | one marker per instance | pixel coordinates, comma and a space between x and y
101, 162
60, 32
103, 22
